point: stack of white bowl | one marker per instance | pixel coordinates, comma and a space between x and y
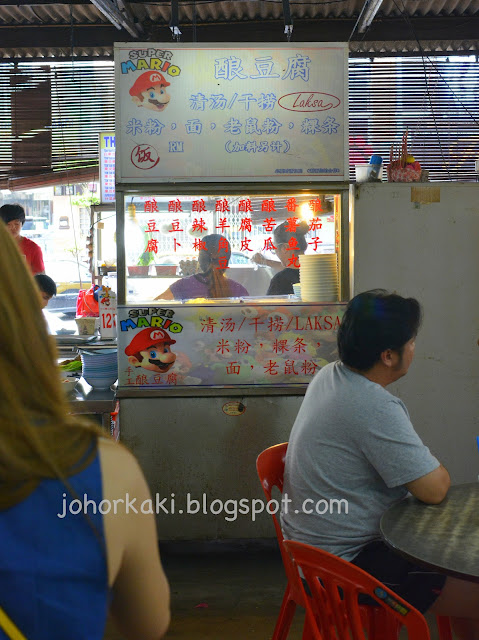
318, 275
297, 290
99, 367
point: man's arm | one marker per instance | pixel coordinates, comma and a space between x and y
431, 488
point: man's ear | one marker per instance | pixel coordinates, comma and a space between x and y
137, 101
134, 361
388, 357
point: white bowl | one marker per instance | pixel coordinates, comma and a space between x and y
98, 382
68, 384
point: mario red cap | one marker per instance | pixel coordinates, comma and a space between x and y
147, 80
147, 338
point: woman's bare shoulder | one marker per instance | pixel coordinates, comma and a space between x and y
120, 468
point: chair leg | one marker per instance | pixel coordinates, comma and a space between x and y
285, 618
444, 627
308, 633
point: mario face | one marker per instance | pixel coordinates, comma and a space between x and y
149, 91
158, 357
154, 98
151, 349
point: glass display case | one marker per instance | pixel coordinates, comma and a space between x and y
164, 233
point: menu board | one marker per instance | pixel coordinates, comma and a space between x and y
221, 113
107, 167
225, 344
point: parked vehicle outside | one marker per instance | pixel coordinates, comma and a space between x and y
40, 231
70, 276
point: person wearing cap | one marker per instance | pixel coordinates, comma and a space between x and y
211, 281
149, 91
150, 349
13, 216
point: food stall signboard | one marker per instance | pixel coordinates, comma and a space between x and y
217, 113
225, 345
107, 167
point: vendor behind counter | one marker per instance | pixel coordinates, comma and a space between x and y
290, 244
211, 281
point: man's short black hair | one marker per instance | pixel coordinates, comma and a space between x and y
11, 212
374, 321
46, 284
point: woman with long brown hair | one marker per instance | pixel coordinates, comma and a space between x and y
211, 280
70, 546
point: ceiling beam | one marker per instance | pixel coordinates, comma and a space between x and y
120, 19
368, 13
28, 3
124, 7
443, 29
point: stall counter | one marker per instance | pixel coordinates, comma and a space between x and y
222, 382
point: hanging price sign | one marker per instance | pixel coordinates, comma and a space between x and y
107, 305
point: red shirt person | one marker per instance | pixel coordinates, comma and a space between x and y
13, 216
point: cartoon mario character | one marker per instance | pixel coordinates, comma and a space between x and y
149, 91
150, 349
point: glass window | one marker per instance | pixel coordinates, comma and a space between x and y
165, 236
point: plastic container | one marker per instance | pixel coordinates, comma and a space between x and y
88, 325
375, 172
166, 269
368, 172
138, 271
361, 172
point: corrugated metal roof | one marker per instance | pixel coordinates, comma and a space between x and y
49, 12
60, 29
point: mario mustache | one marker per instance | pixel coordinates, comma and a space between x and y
160, 364
159, 105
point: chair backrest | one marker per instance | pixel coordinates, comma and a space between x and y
270, 467
335, 584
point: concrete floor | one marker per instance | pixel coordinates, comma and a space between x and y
241, 584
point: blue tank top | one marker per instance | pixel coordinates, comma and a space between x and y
53, 570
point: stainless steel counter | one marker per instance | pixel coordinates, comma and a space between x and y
68, 345
85, 399
93, 402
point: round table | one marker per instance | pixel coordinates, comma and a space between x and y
442, 536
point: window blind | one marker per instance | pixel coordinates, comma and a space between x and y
434, 99
51, 115
50, 118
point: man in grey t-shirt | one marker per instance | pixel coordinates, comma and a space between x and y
353, 452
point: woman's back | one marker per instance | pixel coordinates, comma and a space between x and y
53, 568
60, 572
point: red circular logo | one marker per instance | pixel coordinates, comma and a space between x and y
144, 156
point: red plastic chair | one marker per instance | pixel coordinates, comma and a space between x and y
334, 615
270, 467
444, 627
